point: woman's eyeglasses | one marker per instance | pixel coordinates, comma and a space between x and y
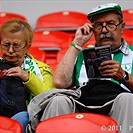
16, 48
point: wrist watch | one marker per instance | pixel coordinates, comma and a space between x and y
125, 77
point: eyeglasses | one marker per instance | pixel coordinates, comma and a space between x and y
98, 27
15, 48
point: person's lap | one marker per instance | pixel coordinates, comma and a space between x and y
121, 109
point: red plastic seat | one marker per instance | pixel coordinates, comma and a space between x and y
51, 42
8, 125
37, 53
90, 43
78, 123
67, 21
128, 18
0, 54
128, 36
60, 54
4, 16
53, 66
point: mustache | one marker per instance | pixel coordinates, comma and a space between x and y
107, 35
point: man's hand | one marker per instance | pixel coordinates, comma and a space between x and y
112, 69
83, 34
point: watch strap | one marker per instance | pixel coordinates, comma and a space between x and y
125, 77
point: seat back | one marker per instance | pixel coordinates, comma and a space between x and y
67, 21
60, 54
53, 66
4, 16
90, 43
8, 125
37, 53
61, 19
0, 54
128, 18
51, 42
128, 36
78, 123
54, 40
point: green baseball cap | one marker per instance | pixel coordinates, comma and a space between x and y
104, 8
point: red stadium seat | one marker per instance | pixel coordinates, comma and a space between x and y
51, 42
60, 54
67, 21
37, 53
53, 66
128, 36
78, 123
128, 18
8, 125
4, 16
0, 54
90, 43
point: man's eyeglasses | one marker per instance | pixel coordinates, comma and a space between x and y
98, 27
16, 48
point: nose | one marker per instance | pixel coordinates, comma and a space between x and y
11, 49
104, 29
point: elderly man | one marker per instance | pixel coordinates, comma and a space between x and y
107, 26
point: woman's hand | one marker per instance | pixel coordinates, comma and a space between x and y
17, 72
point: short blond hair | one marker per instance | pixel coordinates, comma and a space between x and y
16, 25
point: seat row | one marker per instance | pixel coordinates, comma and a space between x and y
63, 20
68, 123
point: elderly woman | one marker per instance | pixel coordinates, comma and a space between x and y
15, 40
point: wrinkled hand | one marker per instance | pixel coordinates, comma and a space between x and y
83, 34
17, 72
111, 69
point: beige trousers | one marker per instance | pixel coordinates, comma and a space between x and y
121, 111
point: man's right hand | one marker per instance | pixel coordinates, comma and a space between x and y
83, 34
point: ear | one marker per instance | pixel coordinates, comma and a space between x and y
122, 27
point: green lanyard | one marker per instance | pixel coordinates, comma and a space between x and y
78, 67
